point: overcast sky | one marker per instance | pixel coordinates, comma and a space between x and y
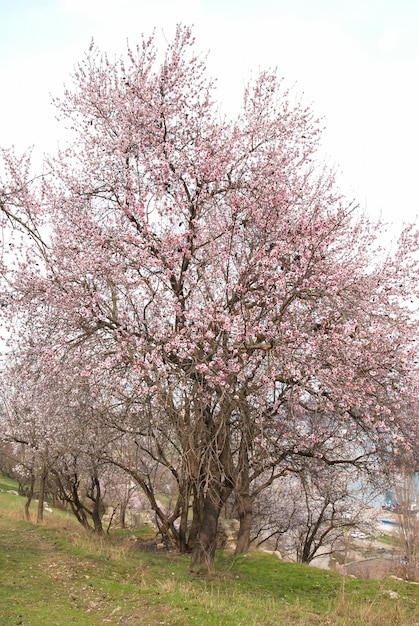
357, 62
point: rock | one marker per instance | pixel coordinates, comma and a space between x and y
227, 534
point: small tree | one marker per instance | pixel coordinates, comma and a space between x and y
24, 426
407, 529
312, 508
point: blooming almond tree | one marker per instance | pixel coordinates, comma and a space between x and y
214, 263
27, 424
56, 435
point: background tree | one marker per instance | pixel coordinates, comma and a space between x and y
29, 424
308, 512
407, 529
57, 435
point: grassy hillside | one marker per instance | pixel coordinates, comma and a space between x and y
57, 575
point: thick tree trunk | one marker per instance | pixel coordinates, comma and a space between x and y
96, 518
122, 515
184, 502
244, 501
244, 505
197, 514
183, 529
205, 543
95, 496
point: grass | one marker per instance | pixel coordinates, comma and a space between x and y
58, 575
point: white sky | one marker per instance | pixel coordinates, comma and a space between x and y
356, 61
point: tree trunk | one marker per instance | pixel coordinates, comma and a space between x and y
41, 497
95, 496
205, 544
29, 496
244, 501
197, 514
96, 518
122, 515
68, 488
244, 505
184, 499
111, 520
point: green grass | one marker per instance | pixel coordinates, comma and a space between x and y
386, 539
56, 574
